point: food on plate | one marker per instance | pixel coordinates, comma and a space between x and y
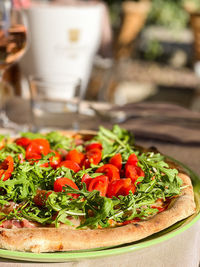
72, 191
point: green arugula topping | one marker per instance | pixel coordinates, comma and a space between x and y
93, 210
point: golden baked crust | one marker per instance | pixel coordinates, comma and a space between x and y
63, 239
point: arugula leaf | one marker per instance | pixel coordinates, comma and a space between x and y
31, 135
160, 182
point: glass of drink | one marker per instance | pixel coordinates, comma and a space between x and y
55, 101
13, 43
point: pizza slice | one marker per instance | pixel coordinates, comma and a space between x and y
65, 191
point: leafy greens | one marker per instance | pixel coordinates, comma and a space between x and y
93, 210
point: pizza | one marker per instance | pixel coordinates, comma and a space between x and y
73, 191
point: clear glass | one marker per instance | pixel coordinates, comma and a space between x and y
13, 44
55, 101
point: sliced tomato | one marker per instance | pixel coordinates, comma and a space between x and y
93, 146
109, 170
116, 160
36, 148
99, 183
93, 156
133, 172
135, 220
62, 182
23, 141
86, 179
75, 156
70, 165
120, 187
132, 160
6, 168
55, 160
42, 144
41, 197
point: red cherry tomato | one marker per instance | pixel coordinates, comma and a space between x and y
55, 160
93, 146
41, 197
36, 148
70, 165
109, 170
86, 179
135, 220
62, 182
6, 168
120, 187
23, 141
75, 156
132, 160
93, 156
99, 183
133, 172
116, 160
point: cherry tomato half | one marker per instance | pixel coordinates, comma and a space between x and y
99, 183
93, 146
116, 160
62, 182
70, 165
6, 168
109, 170
23, 141
55, 160
75, 156
86, 179
120, 187
132, 160
37, 147
93, 156
133, 172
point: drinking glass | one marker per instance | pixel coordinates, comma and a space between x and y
55, 101
13, 43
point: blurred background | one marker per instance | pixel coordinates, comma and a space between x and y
123, 51
156, 49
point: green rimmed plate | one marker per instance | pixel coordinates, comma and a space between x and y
157, 238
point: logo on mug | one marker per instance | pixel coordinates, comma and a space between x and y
73, 35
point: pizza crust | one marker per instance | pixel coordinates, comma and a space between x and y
63, 239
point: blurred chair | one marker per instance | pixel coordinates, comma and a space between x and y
195, 24
134, 15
